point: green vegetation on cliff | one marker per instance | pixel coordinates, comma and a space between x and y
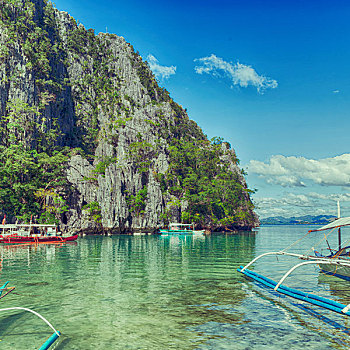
200, 175
32, 183
67, 91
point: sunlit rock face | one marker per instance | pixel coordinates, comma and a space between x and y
103, 102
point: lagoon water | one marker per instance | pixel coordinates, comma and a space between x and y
151, 292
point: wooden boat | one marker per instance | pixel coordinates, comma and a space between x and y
337, 264
180, 229
32, 233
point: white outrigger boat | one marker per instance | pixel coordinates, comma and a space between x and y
337, 264
180, 229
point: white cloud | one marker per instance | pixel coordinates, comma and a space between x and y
335, 91
161, 72
294, 171
291, 204
341, 197
239, 74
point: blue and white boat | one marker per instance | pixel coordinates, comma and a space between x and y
181, 229
335, 263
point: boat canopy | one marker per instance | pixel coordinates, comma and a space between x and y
8, 226
36, 225
26, 225
174, 223
334, 224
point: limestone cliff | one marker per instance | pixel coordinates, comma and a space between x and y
135, 159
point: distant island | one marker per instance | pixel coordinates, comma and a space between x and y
300, 220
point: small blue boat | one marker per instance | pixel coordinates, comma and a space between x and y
181, 229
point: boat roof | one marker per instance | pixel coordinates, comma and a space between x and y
36, 225
177, 224
26, 225
8, 226
334, 224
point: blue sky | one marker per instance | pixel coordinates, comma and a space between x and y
270, 77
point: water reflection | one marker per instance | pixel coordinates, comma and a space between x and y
337, 287
151, 292
127, 292
300, 324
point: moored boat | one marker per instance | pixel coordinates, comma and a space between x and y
340, 254
181, 229
336, 263
33, 233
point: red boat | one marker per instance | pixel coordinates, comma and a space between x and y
13, 238
33, 233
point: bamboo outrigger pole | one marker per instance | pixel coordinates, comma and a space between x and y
339, 233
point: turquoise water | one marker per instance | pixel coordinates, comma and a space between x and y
150, 292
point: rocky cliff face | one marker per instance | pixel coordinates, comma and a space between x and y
94, 95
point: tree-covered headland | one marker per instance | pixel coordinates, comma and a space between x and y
89, 140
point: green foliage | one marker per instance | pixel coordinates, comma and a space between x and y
37, 36
25, 176
142, 153
94, 211
103, 164
133, 104
137, 202
25, 124
162, 180
152, 123
186, 217
97, 91
217, 140
53, 205
199, 175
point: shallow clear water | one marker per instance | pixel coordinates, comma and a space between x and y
150, 292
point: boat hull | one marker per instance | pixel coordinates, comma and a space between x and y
342, 272
339, 271
36, 239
